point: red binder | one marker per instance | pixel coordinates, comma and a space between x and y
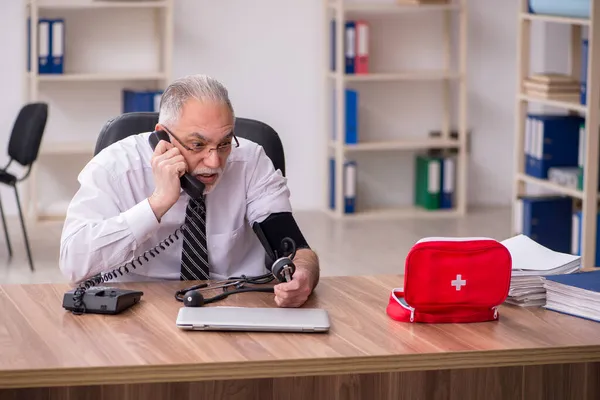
449, 280
362, 48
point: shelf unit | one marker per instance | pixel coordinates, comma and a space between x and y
589, 195
52, 146
341, 10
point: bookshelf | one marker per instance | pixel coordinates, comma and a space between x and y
588, 196
450, 73
110, 25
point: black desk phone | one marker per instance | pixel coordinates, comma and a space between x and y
89, 298
103, 300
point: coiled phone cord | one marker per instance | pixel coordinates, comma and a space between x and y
123, 269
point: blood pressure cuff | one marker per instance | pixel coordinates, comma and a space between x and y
274, 229
452, 280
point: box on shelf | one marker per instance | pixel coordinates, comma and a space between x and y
561, 8
567, 177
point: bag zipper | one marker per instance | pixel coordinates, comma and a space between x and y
406, 307
452, 239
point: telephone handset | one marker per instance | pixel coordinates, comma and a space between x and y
192, 186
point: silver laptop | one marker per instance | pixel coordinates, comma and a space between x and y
253, 319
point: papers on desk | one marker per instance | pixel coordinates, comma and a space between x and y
574, 294
530, 263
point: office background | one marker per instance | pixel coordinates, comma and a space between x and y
271, 56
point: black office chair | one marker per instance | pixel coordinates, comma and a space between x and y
23, 147
137, 122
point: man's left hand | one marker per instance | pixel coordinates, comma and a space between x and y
296, 292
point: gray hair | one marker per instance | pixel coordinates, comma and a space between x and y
199, 87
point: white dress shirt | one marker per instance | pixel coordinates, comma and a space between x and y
110, 223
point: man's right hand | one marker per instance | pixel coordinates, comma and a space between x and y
168, 165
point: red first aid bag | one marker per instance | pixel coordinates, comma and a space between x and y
449, 280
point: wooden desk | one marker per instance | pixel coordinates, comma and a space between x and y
48, 353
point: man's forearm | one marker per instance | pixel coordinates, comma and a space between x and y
308, 260
89, 247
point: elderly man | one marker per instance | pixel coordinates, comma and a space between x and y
131, 199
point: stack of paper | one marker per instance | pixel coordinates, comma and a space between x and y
574, 294
553, 86
530, 262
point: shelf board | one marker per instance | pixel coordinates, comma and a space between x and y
93, 4
416, 144
82, 148
388, 8
98, 77
396, 213
554, 103
556, 19
418, 75
546, 184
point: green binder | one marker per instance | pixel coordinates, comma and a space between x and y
428, 181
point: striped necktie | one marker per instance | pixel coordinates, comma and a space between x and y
194, 254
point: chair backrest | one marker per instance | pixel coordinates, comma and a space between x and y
137, 122
27, 132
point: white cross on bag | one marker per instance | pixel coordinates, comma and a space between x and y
459, 282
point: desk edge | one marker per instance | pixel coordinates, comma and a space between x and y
82, 376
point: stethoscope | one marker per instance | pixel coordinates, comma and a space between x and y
282, 270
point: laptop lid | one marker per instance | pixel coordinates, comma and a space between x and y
253, 319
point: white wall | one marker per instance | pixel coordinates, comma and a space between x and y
270, 53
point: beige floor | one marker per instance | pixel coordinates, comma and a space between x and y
344, 247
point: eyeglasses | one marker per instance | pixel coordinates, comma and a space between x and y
199, 147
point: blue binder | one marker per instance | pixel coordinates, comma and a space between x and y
350, 117
350, 47
333, 45
44, 46
57, 47
50, 45
571, 287
576, 232
349, 186
448, 182
586, 280
139, 101
553, 141
548, 221
584, 71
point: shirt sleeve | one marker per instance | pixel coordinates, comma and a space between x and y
100, 233
267, 190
